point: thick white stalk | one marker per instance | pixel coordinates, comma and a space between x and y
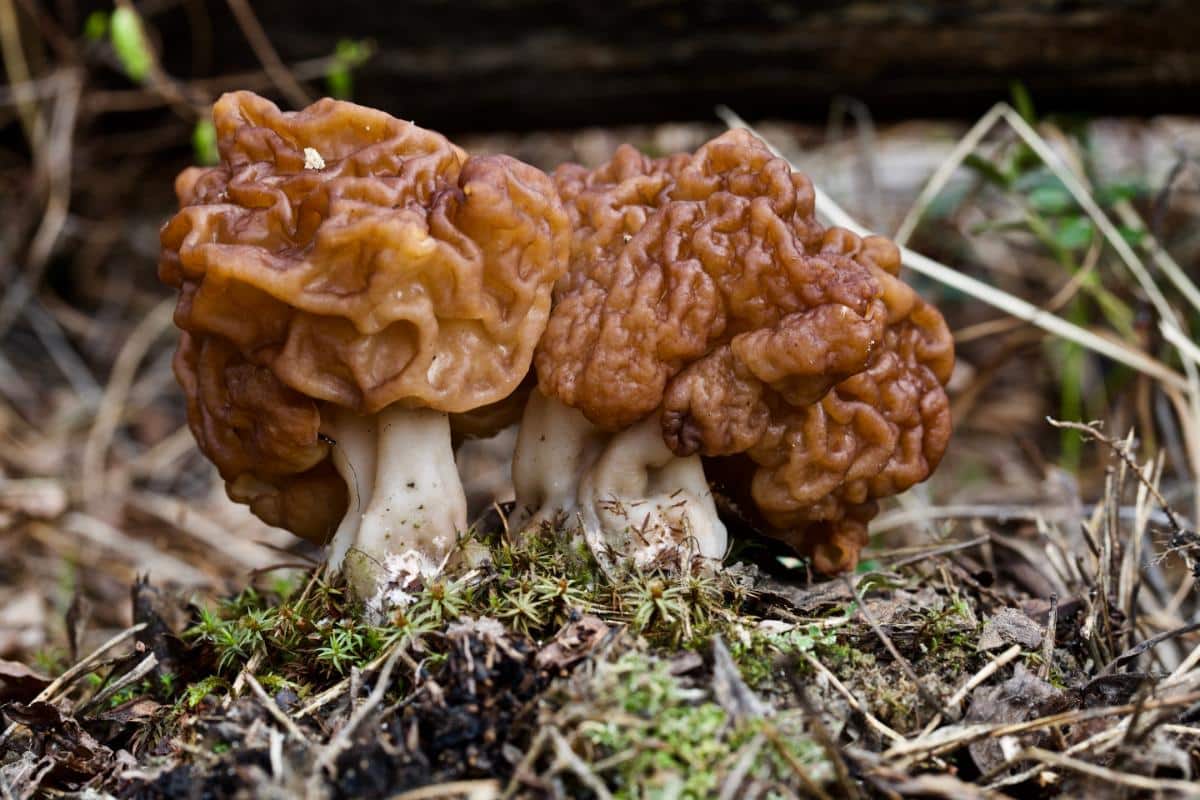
643, 505
353, 453
639, 504
412, 507
555, 445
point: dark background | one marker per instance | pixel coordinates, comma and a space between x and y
522, 64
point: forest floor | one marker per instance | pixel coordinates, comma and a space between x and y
1024, 624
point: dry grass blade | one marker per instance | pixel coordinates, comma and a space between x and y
56, 163
140, 554
78, 670
1132, 780
131, 678
941, 176
485, 789
945, 740
886, 640
328, 756
853, 701
187, 519
280, 75
274, 710
1161, 258
988, 670
113, 404
17, 68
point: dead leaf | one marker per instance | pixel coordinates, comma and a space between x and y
1022, 697
572, 644
1009, 626
1114, 690
139, 709
64, 739
18, 682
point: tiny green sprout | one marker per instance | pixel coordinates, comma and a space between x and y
342, 648
275, 683
204, 143
1051, 198
233, 645
95, 27
348, 55
523, 608
195, 693
562, 594
206, 629
444, 599
285, 584
1074, 232
1023, 102
49, 660
130, 44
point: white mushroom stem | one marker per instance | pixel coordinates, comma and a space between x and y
406, 499
353, 454
639, 503
555, 446
642, 503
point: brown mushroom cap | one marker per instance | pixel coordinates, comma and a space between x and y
358, 260
702, 285
818, 469
262, 436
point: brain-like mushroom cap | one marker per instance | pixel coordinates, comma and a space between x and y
361, 260
703, 286
262, 436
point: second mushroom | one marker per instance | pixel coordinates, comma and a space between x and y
708, 322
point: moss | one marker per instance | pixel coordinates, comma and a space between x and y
649, 734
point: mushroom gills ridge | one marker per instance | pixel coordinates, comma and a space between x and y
636, 503
406, 498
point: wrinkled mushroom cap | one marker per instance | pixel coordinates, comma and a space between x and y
362, 261
703, 286
391, 269
262, 437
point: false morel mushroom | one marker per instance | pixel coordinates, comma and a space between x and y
346, 281
706, 314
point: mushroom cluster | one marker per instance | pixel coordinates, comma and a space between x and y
347, 281
706, 313
353, 288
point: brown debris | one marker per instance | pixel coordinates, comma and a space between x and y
1010, 626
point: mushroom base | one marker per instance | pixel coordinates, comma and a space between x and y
635, 502
407, 504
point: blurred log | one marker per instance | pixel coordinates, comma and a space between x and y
472, 64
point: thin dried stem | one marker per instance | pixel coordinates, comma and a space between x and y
283, 79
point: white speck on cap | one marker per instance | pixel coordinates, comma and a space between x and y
312, 159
